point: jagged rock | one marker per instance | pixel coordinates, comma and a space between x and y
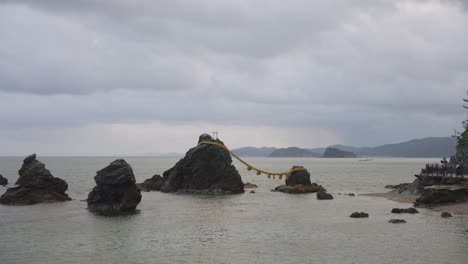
446, 215
321, 195
397, 221
115, 191
299, 182
249, 185
3, 180
359, 215
205, 169
410, 210
152, 184
35, 185
442, 194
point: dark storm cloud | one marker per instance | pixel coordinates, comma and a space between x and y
372, 71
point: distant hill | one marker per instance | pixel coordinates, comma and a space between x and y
253, 152
337, 153
432, 147
293, 152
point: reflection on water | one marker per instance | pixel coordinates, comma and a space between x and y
264, 227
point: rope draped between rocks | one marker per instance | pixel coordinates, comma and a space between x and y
250, 167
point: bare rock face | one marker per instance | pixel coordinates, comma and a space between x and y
152, 184
35, 185
298, 182
3, 180
115, 191
205, 169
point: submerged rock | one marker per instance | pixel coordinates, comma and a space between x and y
299, 182
359, 215
115, 191
321, 195
397, 221
410, 210
446, 215
35, 185
152, 184
205, 169
249, 185
3, 180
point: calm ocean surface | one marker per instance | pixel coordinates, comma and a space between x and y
265, 227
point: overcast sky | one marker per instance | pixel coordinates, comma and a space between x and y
96, 77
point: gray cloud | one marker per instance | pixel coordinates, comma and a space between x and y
371, 71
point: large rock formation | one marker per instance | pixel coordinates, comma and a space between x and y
35, 185
205, 169
3, 180
299, 182
115, 191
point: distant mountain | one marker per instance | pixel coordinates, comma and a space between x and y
253, 152
337, 153
422, 148
293, 152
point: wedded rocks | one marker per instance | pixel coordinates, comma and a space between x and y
205, 169
397, 221
321, 195
3, 180
152, 184
298, 182
410, 210
115, 191
35, 185
359, 215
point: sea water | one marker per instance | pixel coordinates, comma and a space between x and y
260, 227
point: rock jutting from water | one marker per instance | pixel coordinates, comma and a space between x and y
321, 195
205, 169
410, 210
152, 184
3, 180
299, 182
397, 221
115, 191
359, 215
446, 214
249, 185
35, 185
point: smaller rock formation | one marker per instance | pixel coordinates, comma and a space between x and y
252, 191
397, 221
299, 182
205, 169
115, 191
35, 185
321, 195
249, 185
152, 184
446, 215
351, 194
3, 180
438, 194
359, 215
410, 210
